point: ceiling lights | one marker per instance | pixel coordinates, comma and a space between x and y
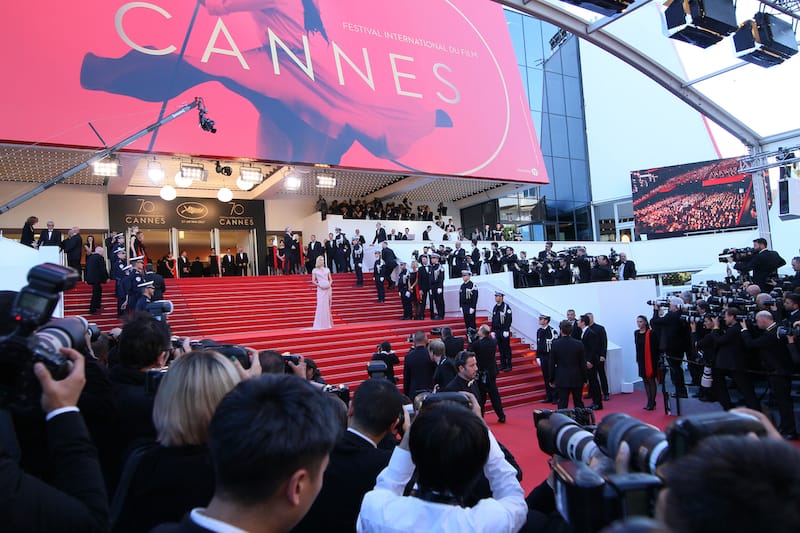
194, 171
224, 195
765, 40
325, 181
249, 177
292, 182
155, 171
182, 181
168, 193
108, 167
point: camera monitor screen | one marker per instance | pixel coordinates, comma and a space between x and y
33, 303
694, 197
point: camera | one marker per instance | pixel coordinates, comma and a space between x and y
784, 331
231, 351
425, 400
737, 254
37, 338
589, 499
160, 309
661, 303
152, 379
340, 391
377, 369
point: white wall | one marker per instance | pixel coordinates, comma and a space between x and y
284, 212
67, 205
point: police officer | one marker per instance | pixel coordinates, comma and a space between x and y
405, 293
133, 280
501, 326
379, 273
358, 261
545, 336
436, 284
121, 290
468, 299
146, 291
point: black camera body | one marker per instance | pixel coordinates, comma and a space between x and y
37, 338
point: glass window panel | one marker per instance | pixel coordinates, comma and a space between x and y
534, 50
553, 64
555, 93
544, 138
562, 175
549, 190
515, 30
558, 136
580, 181
577, 138
523, 72
570, 57
537, 123
573, 98
535, 87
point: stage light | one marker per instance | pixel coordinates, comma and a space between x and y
168, 193
700, 22
244, 184
155, 171
604, 7
250, 174
293, 181
226, 171
224, 195
182, 181
108, 167
765, 40
206, 124
193, 172
326, 182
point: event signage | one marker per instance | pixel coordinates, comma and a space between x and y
148, 212
418, 86
690, 198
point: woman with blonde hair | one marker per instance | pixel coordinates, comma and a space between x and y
161, 483
321, 278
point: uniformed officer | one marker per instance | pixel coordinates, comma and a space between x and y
545, 336
468, 299
379, 273
436, 284
134, 279
121, 290
501, 326
424, 284
358, 261
146, 290
405, 292
117, 264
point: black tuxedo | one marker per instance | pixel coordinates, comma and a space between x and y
380, 236
627, 270
425, 236
184, 267
568, 370
96, 275
50, 238
485, 348
765, 265
73, 248
354, 465
444, 373
228, 265
671, 341
417, 372
453, 345
602, 351
591, 346
314, 251
242, 263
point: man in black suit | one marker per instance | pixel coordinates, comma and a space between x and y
266, 458
545, 336
356, 460
445, 368
458, 260
96, 275
764, 264
242, 262
418, 367
627, 269
602, 270
380, 234
501, 326
424, 284
313, 250
591, 347
671, 341
568, 368
602, 353
184, 265
547, 254
73, 248
452, 345
426, 235
775, 357
583, 265
731, 359
390, 260
466, 364
468, 299
796, 278
50, 236
159, 287
485, 348
76, 497
228, 264
436, 288
357, 252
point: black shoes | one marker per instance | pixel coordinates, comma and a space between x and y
596, 407
501, 419
649, 407
605, 397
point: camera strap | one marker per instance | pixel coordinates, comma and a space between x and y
435, 496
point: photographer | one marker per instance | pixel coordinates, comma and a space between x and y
445, 367
581, 261
75, 500
387, 355
731, 359
764, 264
671, 342
602, 270
449, 446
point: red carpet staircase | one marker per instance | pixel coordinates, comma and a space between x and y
273, 312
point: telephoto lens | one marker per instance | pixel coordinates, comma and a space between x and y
647, 444
561, 435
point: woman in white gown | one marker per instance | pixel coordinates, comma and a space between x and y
321, 277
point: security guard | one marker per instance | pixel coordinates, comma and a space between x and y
121, 290
134, 279
468, 299
379, 273
146, 290
501, 327
405, 293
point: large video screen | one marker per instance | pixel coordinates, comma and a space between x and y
695, 197
415, 86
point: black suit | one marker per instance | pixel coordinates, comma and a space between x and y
353, 468
485, 349
627, 270
453, 345
602, 338
775, 357
568, 370
242, 263
591, 346
96, 275
544, 339
73, 248
228, 265
76, 498
444, 373
765, 265
314, 250
380, 236
184, 267
50, 238
730, 358
425, 236
417, 372
671, 341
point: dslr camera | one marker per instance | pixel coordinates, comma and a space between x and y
591, 498
38, 339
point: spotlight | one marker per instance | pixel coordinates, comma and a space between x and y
108, 167
604, 7
244, 184
700, 22
194, 172
155, 171
765, 40
293, 181
326, 182
206, 124
168, 193
250, 174
227, 171
182, 182
224, 195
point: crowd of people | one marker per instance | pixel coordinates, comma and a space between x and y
694, 212
376, 209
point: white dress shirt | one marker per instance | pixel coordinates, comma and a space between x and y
385, 509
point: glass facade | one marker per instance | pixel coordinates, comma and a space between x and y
549, 61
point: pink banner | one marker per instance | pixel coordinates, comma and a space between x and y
417, 86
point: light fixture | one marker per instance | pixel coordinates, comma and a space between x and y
251, 174
699, 22
194, 171
243, 184
604, 7
108, 167
765, 40
182, 181
225, 171
224, 195
155, 171
325, 181
293, 181
168, 193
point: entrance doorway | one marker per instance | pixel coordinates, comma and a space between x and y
244, 239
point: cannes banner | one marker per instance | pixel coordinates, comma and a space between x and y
415, 86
